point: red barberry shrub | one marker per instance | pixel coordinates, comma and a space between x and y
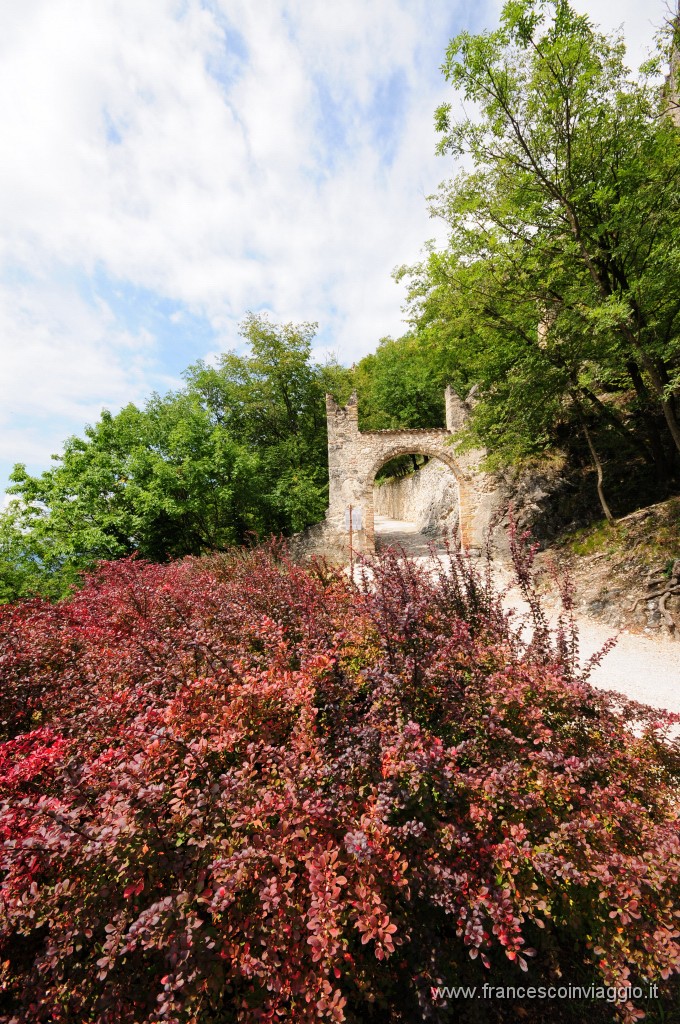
238, 790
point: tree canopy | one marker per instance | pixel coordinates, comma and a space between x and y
557, 291
239, 452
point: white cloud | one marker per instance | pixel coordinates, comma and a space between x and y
225, 156
64, 356
638, 19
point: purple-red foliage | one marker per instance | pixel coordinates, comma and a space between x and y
238, 790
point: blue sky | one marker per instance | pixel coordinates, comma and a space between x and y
169, 165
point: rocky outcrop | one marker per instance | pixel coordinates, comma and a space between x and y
545, 499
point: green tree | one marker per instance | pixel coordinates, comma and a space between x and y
239, 452
273, 400
557, 290
162, 481
401, 385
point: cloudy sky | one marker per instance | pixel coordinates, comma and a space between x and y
167, 165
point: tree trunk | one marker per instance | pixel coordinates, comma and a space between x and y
659, 387
613, 420
597, 464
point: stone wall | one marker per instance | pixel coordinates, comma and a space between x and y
673, 82
428, 497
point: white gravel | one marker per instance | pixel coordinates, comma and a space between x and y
644, 668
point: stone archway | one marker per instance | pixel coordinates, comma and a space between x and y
354, 458
436, 449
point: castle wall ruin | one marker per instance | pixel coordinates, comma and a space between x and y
355, 457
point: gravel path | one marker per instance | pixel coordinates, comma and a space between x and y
647, 669
644, 668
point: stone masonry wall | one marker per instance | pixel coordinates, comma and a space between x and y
428, 497
673, 83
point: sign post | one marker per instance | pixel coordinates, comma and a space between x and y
353, 521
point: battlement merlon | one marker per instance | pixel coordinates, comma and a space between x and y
343, 422
457, 411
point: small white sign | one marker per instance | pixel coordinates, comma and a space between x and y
356, 519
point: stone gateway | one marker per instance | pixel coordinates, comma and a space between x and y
355, 457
